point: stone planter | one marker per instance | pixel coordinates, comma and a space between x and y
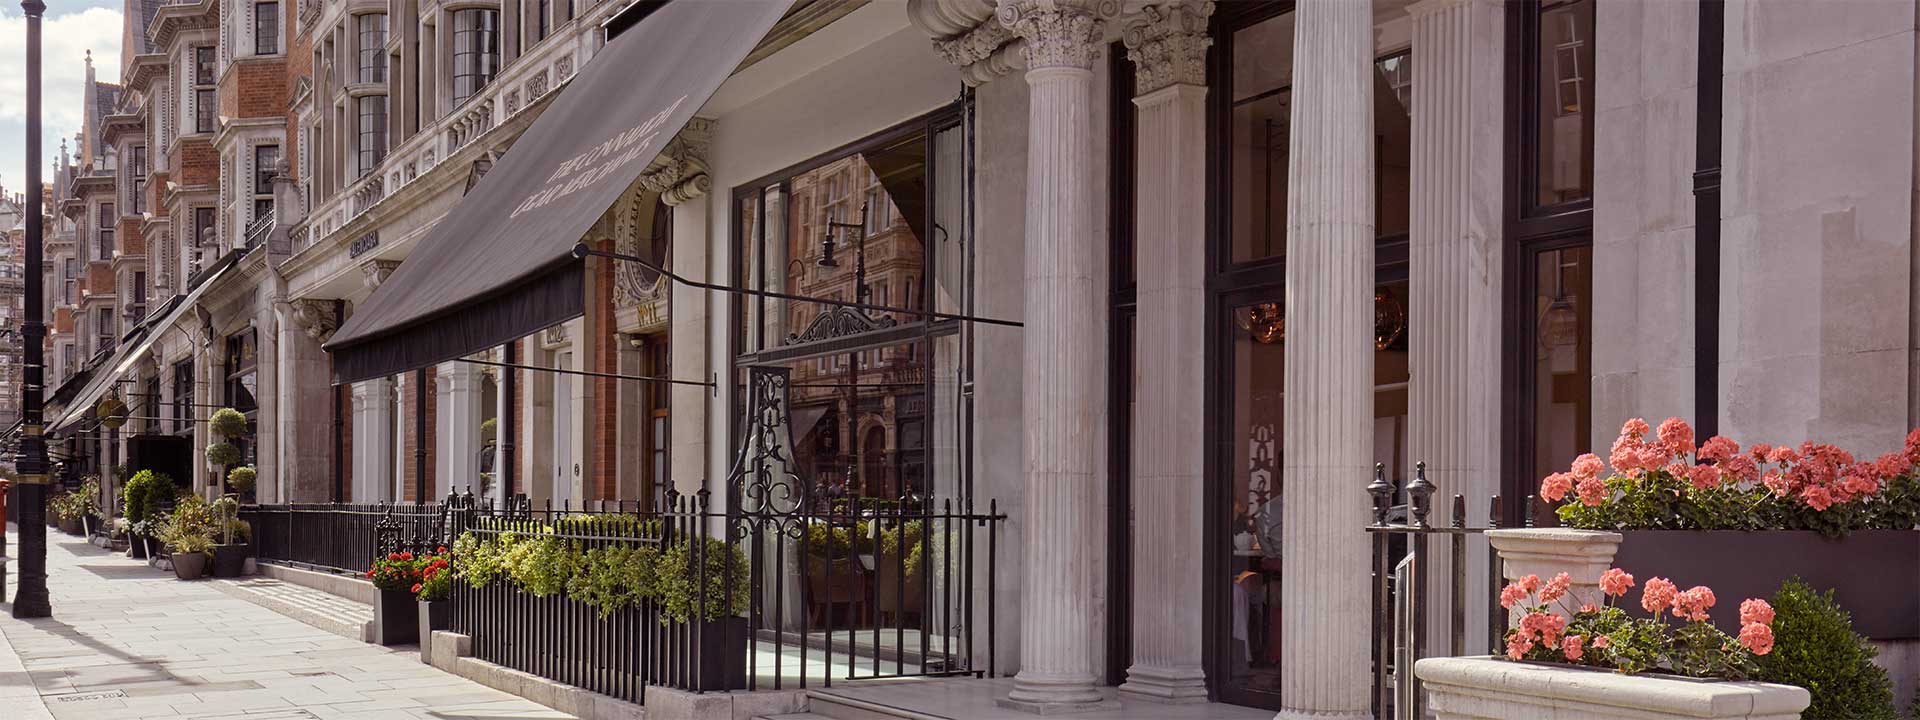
1740, 565
1481, 688
189, 566
718, 648
434, 615
1582, 554
396, 618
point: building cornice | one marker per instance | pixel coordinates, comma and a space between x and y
144, 70
172, 20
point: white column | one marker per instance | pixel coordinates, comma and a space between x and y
1061, 370
1329, 363
1169, 52
687, 338
457, 437
1455, 268
373, 447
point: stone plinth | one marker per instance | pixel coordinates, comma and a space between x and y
1483, 688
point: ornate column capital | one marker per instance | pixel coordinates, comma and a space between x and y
679, 173
1059, 33
1168, 46
316, 317
377, 271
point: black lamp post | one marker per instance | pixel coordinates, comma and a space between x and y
30, 600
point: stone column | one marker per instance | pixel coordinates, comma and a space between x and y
373, 450
1169, 50
1455, 281
687, 405
306, 405
1061, 363
1329, 357
457, 438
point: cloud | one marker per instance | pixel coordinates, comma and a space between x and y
65, 39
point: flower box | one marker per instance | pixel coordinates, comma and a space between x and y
396, 617
1484, 688
230, 560
434, 615
1754, 564
719, 657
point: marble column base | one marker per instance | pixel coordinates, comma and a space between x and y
1054, 695
1165, 685
1056, 708
1311, 715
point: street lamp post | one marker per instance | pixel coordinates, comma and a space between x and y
30, 600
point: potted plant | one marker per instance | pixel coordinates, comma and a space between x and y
1814, 511
1557, 658
395, 616
435, 585
65, 514
142, 497
230, 554
188, 530
240, 480
231, 425
702, 583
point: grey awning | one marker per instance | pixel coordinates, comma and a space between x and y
131, 350
501, 265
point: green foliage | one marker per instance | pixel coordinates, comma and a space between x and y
489, 429
614, 577
144, 493
77, 504
1815, 648
190, 527
226, 521
711, 586
1656, 500
436, 577
480, 559
230, 423
241, 478
543, 564
222, 454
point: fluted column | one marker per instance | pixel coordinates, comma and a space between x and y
373, 451
1169, 50
457, 439
1329, 363
1061, 366
1455, 271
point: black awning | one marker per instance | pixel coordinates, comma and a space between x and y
501, 265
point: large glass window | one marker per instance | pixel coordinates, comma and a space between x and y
205, 106
183, 397
108, 219
476, 51
137, 176
1563, 91
373, 131
266, 28
875, 406
373, 47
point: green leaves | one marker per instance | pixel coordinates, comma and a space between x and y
1657, 500
1815, 648
707, 579
230, 423
614, 577
693, 581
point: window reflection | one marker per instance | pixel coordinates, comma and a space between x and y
1562, 358
1564, 98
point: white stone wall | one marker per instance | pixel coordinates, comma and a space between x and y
1817, 280
1645, 61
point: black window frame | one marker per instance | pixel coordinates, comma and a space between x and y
206, 103
266, 28
371, 132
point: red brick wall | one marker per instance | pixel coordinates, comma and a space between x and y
254, 88
131, 242
157, 188
100, 278
410, 471
606, 395
196, 163
63, 320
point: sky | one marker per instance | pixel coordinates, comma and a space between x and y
68, 30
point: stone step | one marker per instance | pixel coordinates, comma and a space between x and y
323, 610
825, 704
793, 716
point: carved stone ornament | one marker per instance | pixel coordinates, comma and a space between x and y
838, 323
679, 173
1169, 46
377, 271
316, 317
1059, 33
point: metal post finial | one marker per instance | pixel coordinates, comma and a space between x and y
1419, 496
1382, 492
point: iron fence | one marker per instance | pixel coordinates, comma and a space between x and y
1403, 586
342, 537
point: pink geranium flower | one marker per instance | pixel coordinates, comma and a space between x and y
1658, 595
1593, 491
1755, 610
1615, 582
1677, 436
1556, 486
1693, 603
1518, 645
1512, 595
1704, 477
1571, 647
1719, 449
1635, 427
1603, 642
1556, 588
1817, 497
1757, 638
1587, 465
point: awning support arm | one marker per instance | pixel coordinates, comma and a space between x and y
583, 250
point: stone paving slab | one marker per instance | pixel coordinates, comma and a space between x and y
128, 642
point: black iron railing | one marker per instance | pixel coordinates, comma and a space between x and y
1403, 587
342, 537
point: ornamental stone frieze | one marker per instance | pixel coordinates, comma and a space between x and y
967, 34
319, 318
1168, 45
1059, 33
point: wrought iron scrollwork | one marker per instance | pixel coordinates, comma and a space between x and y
762, 484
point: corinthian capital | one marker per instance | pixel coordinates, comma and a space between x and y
1059, 33
1168, 46
679, 173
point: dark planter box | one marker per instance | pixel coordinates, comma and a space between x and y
71, 526
396, 618
1739, 565
137, 546
229, 560
719, 659
434, 615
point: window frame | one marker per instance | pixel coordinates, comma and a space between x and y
486, 59
375, 71
206, 103
268, 14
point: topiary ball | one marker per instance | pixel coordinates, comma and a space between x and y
241, 478
223, 453
228, 422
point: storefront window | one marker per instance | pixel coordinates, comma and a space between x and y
1563, 93
874, 395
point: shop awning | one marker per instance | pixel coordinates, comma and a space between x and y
500, 265
135, 347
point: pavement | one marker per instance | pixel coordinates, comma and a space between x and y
129, 642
